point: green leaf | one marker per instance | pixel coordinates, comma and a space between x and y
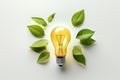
51, 17
36, 30
39, 44
87, 42
38, 49
84, 34
44, 57
78, 55
78, 18
40, 21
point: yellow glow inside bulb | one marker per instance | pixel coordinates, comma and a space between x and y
60, 37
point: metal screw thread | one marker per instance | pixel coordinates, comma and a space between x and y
60, 61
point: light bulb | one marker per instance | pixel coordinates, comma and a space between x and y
60, 37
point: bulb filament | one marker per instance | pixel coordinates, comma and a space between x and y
60, 39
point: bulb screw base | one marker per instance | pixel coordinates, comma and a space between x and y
60, 61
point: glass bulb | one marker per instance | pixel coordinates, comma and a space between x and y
60, 37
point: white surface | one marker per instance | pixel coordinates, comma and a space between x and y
18, 62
